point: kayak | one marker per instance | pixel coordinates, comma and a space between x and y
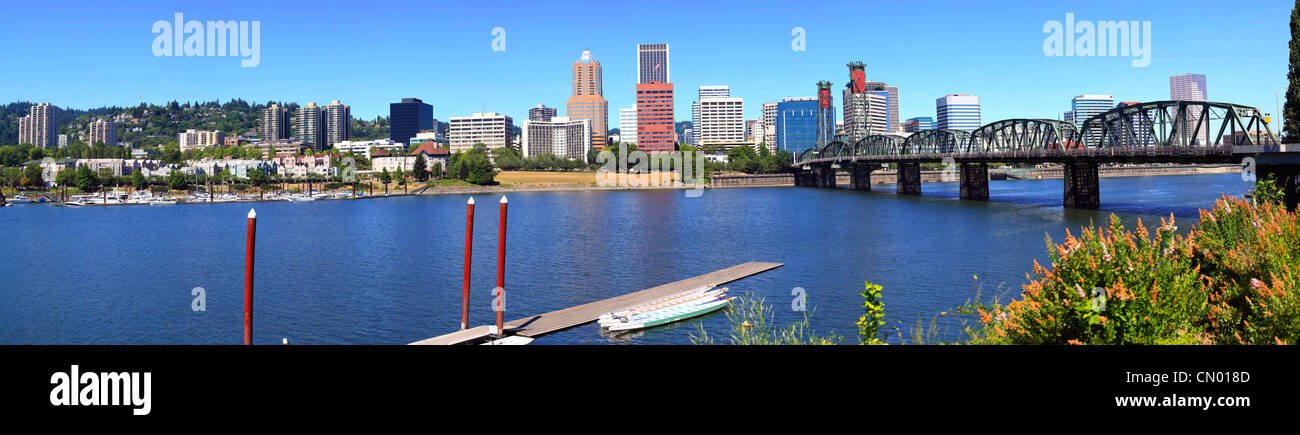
661, 312
662, 303
671, 315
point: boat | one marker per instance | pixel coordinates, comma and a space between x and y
20, 199
75, 203
671, 314
664, 302
301, 198
162, 201
659, 312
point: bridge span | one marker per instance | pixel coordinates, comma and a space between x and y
1189, 132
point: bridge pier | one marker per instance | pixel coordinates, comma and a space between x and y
909, 178
975, 181
860, 177
1286, 177
1082, 189
804, 178
824, 176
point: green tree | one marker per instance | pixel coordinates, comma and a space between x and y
33, 175
1291, 111
86, 180
421, 169
437, 170
66, 177
138, 181
176, 179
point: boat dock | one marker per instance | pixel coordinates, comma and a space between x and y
542, 324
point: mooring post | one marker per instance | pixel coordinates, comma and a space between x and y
469, 249
501, 267
248, 276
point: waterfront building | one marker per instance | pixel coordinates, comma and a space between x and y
561, 137
627, 124
769, 125
338, 123
304, 165
796, 124
652, 63
362, 147
1190, 87
40, 126
958, 112
1086, 106
491, 129
913, 125
434, 157
721, 120
587, 100
281, 147
103, 131
198, 139
655, 131
891, 111
408, 117
307, 122
275, 123
541, 113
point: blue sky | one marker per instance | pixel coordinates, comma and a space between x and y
367, 54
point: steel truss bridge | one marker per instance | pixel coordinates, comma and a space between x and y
1153, 132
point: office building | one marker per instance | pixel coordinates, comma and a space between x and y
627, 125
541, 113
1190, 87
491, 129
561, 137
769, 125
652, 63
917, 124
103, 131
655, 132
40, 126
275, 123
721, 120
408, 117
958, 112
892, 97
1083, 107
796, 124
1142, 134
587, 100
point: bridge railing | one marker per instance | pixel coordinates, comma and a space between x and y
1170, 151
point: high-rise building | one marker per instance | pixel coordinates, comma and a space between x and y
627, 125
892, 91
958, 112
706, 91
275, 123
40, 126
1190, 87
1142, 132
769, 125
103, 131
917, 124
1085, 106
587, 100
655, 132
796, 124
561, 136
652, 63
541, 113
63, 140
491, 129
407, 118
338, 123
722, 121
307, 123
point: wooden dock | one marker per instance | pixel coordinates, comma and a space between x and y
542, 324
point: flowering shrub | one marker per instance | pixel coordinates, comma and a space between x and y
1232, 279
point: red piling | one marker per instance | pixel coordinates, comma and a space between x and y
469, 249
501, 266
248, 277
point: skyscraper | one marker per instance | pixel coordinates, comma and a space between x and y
560, 136
652, 63
338, 123
1141, 124
491, 129
627, 125
769, 125
1085, 106
893, 113
796, 124
275, 123
722, 121
308, 125
587, 100
706, 91
1190, 87
655, 131
654, 117
40, 126
103, 131
958, 112
408, 118
541, 113
913, 125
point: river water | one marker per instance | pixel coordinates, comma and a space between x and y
388, 271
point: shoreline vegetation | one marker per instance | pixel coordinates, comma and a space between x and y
1234, 278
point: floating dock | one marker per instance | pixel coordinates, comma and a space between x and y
542, 324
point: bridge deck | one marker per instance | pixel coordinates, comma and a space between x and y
542, 324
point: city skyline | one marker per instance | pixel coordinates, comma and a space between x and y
1020, 82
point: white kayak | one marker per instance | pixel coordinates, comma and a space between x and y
671, 315
663, 302
706, 297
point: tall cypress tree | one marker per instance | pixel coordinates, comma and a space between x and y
1291, 111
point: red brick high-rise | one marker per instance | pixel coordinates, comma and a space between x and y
654, 118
